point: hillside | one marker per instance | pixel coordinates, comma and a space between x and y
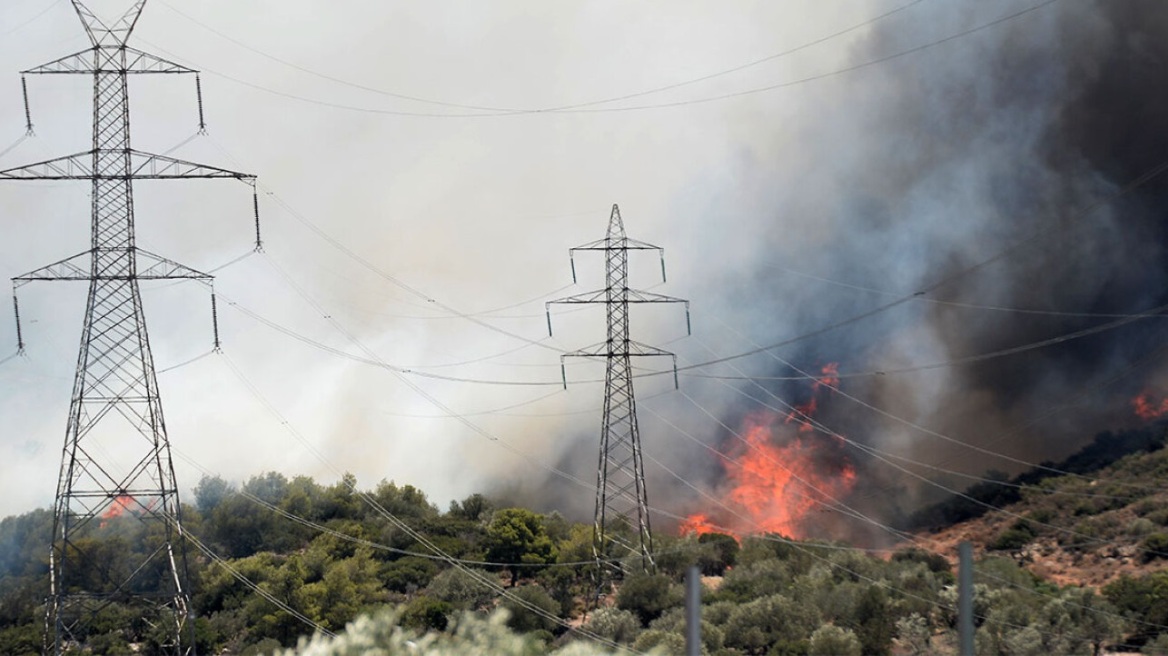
1078, 563
1085, 528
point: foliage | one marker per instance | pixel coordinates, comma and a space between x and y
524, 619
722, 554
518, 536
342, 560
1155, 546
382, 634
755, 626
1144, 600
464, 589
426, 614
1106, 449
614, 624
831, 640
1014, 538
648, 595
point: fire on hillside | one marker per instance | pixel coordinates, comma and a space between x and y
779, 470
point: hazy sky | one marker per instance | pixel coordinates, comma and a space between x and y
471, 200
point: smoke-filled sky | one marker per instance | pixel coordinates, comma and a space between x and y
978, 152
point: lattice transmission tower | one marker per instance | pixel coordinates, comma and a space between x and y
116, 479
622, 517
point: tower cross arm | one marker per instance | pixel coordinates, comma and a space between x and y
147, 166
156, 267
76, 267
638, 296
606, 350
108, 59
143, 166
69, 167
597, 296
601, 296
624, 243
79, 267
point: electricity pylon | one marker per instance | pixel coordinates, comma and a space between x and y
116, 479
622, 512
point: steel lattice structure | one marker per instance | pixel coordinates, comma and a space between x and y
622, 517
116, 474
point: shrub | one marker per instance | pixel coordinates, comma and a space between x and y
381, 634
756, 626
663, 641
614, 624
461, 589
426, 614
723, 553
408, 574
1159, 517
1017, 536
648, 595
1140, 527
525, 620
831, 640
933, 561
1155, 546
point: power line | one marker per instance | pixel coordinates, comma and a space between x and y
955, 304
251, 585
855, 514
1126, 319
508, 111
822, 76
587, 109
871, 451
30, 21
1035, 234
115, 378
1134, 184
396, 521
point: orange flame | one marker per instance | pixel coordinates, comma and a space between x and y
1147, 409
698, 523
777, 478
120, 505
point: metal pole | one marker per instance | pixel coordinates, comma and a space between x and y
27, 114
199, 95
965, 598
693, 612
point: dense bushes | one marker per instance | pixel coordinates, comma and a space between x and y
776, 596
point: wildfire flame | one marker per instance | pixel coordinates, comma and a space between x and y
1147, 409
120, 505
777, 477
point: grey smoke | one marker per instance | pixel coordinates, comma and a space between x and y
891, 177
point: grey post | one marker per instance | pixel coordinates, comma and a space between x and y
965, 598
693, 612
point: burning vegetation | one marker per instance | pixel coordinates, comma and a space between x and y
779, 471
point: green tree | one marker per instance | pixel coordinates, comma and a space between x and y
614, 624
832, 640
210, 491
461, 588
1144, 599
648, 596
517, 536
722, 553
754, 627
874, 621
426, 614
471, 508
408, 574
524, 619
